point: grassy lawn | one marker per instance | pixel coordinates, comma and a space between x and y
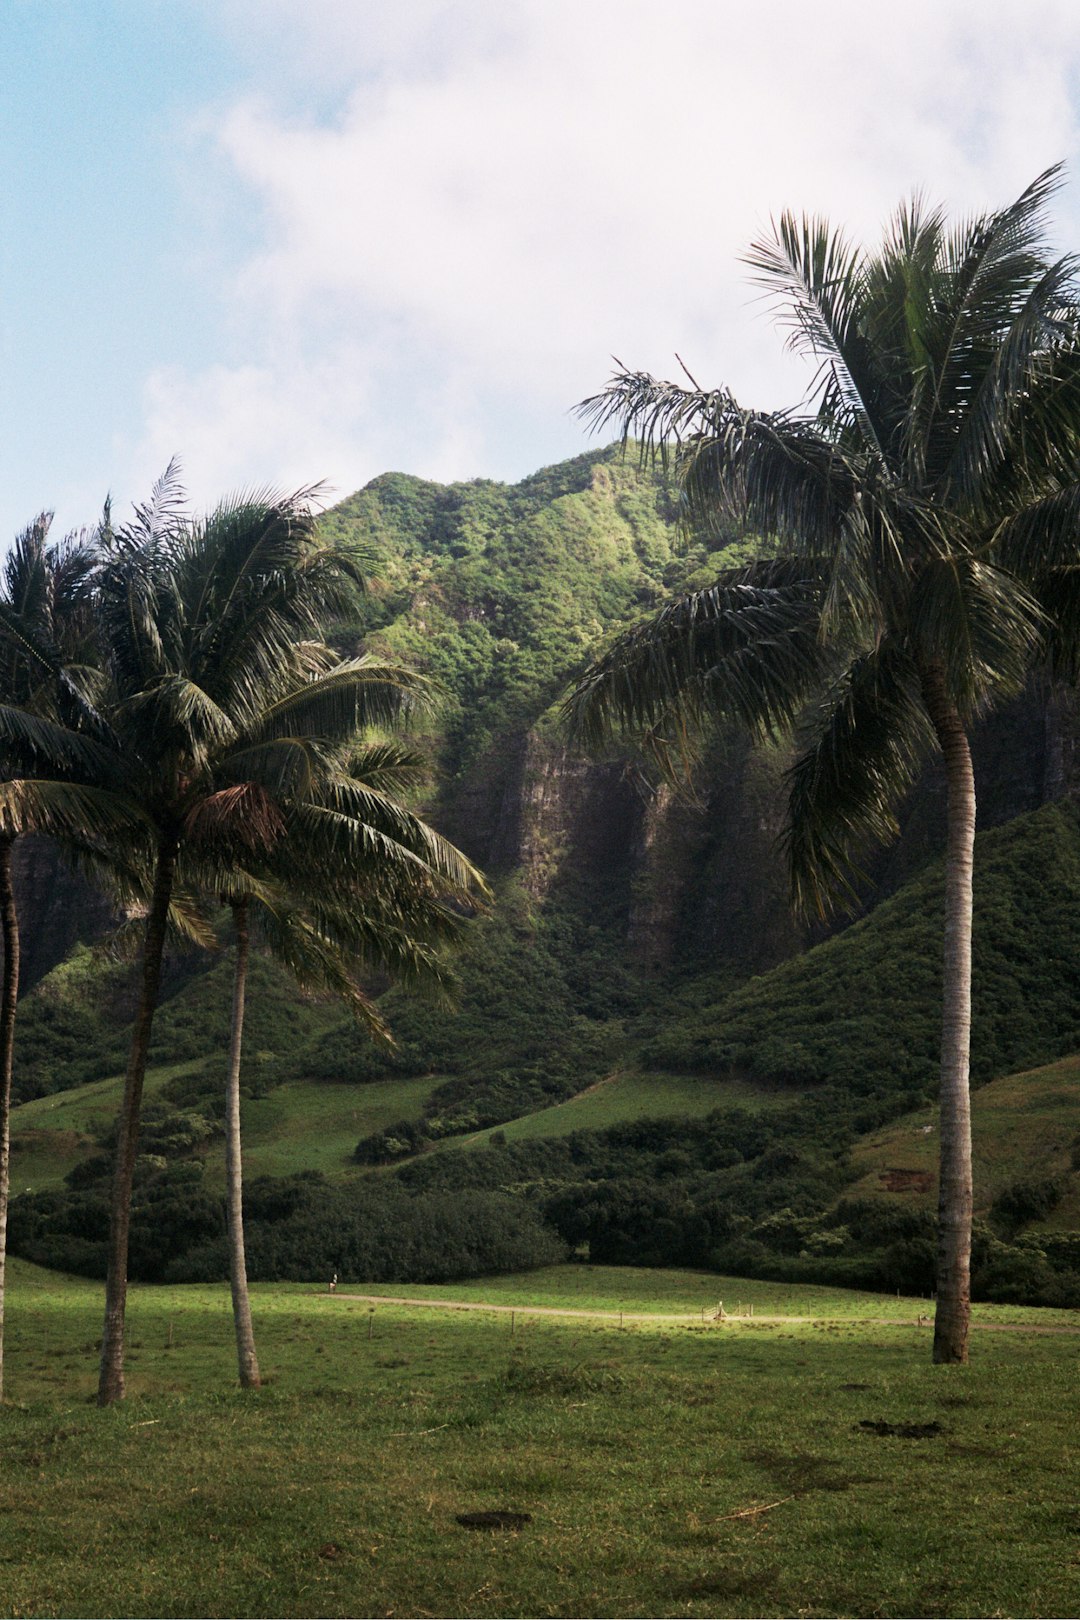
751, 1470
690, 1293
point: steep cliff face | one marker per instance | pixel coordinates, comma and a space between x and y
695, 877
565, 820
709, 883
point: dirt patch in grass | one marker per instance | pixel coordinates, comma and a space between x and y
799, 1471
759, 1584
900, 1181
901, 1431
494, 1519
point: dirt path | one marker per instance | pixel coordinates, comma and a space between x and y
683, 1318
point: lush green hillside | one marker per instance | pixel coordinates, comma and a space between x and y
752, 1162
1025, 1148
860, 1013
502, 590
73, 1025
611, 1067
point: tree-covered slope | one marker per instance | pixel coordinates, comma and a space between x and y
861, 1012
501, 590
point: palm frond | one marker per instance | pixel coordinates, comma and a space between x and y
156, 520
387, 766
178, 709
345, 701
976, 621
288, 767
338, 843
1012, 396
34, 743
365, 804
869, 736
659, 415
318, 964
1044, 535
189, 922
747, 646
70, 811
339, 849
257, 581
243, 816
817, 280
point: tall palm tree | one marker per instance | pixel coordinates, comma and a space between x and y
919, 547
328, 921
204, 628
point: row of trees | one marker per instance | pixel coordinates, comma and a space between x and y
171, 712
920, 554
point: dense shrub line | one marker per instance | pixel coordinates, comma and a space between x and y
295, 1228
739, 1193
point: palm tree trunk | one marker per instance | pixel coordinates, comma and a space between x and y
9, 995
111, 1381
953, 1314
245, 1336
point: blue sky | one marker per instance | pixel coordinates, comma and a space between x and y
293, 240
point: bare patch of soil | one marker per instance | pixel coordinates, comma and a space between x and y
899, 1181
496, 1519
902, 1431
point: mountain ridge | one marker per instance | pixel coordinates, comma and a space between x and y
627, 915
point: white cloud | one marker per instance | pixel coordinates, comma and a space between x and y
506, 196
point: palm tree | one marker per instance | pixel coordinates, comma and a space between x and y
43, 644
919, 523
328, 921
205, 628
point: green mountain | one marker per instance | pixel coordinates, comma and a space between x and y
649, 1057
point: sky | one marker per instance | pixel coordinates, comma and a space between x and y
310, 241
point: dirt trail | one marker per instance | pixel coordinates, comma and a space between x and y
685, 1318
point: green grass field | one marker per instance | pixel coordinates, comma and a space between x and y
304, 1125
743, 1469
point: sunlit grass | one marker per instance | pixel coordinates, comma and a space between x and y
307, 1126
